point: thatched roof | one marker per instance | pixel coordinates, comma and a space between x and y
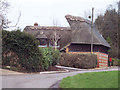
46, 28
41, 36
81, 31
46, 31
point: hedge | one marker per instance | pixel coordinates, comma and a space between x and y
115, 62
21, 50
83, 61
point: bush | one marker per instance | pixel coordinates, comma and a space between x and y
78, 60
50, 57
115, 62
21, 50
56, 57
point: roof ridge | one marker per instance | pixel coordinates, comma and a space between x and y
77, 18
49, 27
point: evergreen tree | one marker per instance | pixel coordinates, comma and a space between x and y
107, 25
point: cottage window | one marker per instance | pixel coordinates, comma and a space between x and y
42, 42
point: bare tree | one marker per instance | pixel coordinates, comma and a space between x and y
56, 34
7, 26
4, 5
54, 37
4, 22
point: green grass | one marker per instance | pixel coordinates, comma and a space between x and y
107, 79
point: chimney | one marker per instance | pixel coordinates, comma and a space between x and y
35, 24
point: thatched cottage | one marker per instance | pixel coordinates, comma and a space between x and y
73, 39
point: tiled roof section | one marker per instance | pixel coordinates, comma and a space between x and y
77, 18
46, 28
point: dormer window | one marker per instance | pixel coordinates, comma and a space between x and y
42, 39
42, 42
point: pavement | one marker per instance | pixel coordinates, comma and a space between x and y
9, 72
78, 69
44, 80
67, 69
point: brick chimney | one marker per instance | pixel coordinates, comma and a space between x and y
35, 24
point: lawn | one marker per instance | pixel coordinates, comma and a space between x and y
106, 79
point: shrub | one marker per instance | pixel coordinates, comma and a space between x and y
21, 50
50, 57
78, 60
56, 57
115, 62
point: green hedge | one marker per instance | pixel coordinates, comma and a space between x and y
83, 61
21, 50
50, 57
115, 62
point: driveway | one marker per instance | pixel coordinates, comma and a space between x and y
40, 80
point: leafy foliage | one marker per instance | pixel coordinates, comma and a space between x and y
115, 62
21, 50
78, 60
50, 57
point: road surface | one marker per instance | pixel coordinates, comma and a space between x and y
39, 80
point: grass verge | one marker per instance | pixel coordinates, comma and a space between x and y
107, 79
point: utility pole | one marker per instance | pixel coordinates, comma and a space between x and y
92, 31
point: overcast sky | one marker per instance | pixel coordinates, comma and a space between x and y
45, 12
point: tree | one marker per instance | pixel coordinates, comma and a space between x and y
4, 5
119, 8
55, 35
54, 38
4, 22
107, 25
119, 28
99, 22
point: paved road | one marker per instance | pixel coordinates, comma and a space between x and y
39, 80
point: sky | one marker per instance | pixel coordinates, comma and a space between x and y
52, 12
